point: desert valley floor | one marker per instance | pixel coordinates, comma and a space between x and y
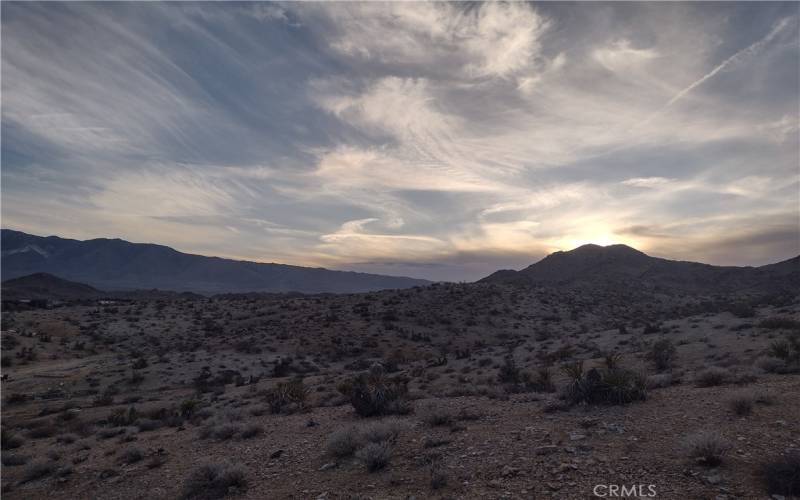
472, 391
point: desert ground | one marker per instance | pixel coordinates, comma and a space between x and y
447, 391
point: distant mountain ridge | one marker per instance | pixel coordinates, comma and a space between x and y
623, 266
114, 264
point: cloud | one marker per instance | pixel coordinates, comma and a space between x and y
493, 40
622, 57
647, 182
394, 135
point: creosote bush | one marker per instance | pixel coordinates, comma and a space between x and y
212, 481
781, 474
712, 376
346, 441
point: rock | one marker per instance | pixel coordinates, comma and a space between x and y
329, 465
545, 450
576, 436
509, 471
276, 454
495, 483
107, 473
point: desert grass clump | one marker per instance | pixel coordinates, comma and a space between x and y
659, 381
122, 417
707, 447
10, 440
765, 397
543, 381
383, 430
376, 456
344, 442
251, 430
509, 373
438, 475
781, 474
663, 354
787, 350
374, 394
38, 470
742, 403
10, 460
770, 364
712, 376
131, 456
780, 323
42, 429
148, 424
222, 432
211, 481
435, 416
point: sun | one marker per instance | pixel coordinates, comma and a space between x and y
597, 235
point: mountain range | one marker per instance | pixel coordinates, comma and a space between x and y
114, 264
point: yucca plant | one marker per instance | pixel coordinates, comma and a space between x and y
543, 381
374, 394
622, 386
612, 360
573, 370
604, 385
293, 392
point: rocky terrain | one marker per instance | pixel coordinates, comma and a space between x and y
497, 389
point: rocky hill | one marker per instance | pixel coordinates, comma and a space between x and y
622, 266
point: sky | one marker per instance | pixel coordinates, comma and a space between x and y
434, 140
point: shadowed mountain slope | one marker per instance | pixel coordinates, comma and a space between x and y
113, 264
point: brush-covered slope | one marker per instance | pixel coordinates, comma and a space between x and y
47, 286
